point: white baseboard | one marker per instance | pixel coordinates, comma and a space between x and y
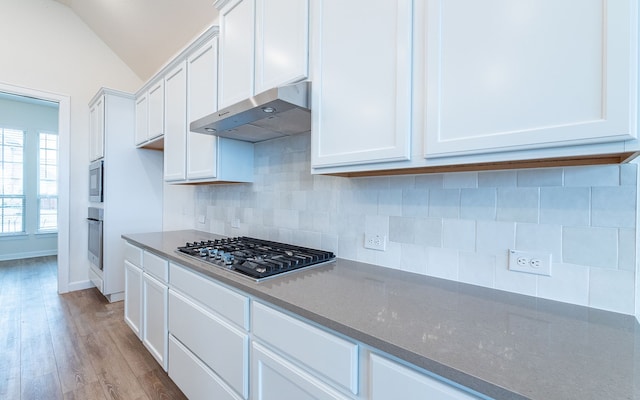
80, 285
32, 254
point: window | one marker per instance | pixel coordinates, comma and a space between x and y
48, 182
12, 199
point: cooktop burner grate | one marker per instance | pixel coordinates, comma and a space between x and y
256, 258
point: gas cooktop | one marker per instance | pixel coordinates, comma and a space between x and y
255, 258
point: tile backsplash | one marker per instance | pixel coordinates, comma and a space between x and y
457, 226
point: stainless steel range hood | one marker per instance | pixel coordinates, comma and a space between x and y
277, 112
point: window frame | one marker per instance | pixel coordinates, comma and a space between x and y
39, 196
23, 195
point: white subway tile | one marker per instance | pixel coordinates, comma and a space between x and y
613, 206
390, 202
598, 175
442, 263
376, 224
565, 206
568, 283
518, 204
413, 258
429, 181
594, 247
627, 249
479, 204
497, 179
477, 269
402, 230
428, 232
540, 177
400, 182
415, 203
391, 257
629, 174
542, 238
329, 243
612, 290
495, 237
444, 203
459, 234
348, 246
458, 180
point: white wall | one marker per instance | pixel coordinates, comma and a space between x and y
456, 226
47, 47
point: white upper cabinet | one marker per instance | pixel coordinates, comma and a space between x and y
361, 82
175, 150
149, 132
96, 129
236, 51
455, 82
202, 92
156, 110
142, 118
505, 75
282, 42
263, 44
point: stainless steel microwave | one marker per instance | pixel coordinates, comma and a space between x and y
96, 181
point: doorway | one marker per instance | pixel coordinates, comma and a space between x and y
63, 136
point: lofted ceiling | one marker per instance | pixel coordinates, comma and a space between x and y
145, 34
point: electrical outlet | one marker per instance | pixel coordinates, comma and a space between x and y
530, 262
235, 223
375, 241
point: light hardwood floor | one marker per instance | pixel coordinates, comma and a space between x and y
71, 346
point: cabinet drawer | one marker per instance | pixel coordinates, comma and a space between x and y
222, 347
275, 378
323, 352
156, 266
133, 254
390, 380
195, 380
224, 302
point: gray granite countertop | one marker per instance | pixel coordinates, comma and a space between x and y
504, 345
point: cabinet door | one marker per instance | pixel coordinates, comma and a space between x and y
282, 42
96, 130
154, 318
133, 297
390, 380
175, 135
274, 378
361, 69
142, 119
236, 51
504, 75
202, 100
156, 110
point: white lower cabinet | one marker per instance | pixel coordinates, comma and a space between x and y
390, 380
209, 323
193, 377
275, 378
327, 355
218, 343
133, 297
222, 347
146, 297
154, 317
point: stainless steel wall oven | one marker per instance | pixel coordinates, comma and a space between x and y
95, 219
